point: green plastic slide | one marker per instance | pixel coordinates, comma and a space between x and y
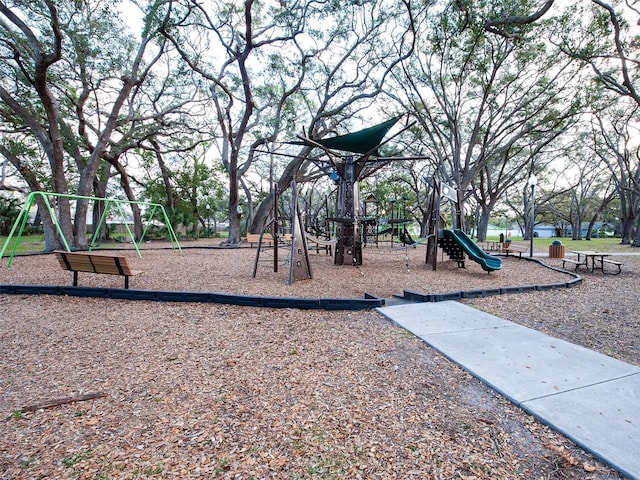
489, 263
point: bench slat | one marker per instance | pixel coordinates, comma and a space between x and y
267, 238
574, 262
612, 261
568, 260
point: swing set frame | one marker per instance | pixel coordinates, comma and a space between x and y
23, 217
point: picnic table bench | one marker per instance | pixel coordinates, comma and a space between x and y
572, 262
513, 248
612, 262
95, 263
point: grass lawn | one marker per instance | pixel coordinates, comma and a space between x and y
27, 244
608, 244
35, 243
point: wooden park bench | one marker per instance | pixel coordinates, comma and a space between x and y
513, 248
254, 238
267, 238
95, 263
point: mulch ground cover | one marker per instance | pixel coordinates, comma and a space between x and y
195, 390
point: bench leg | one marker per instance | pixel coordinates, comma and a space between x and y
75, 279
613, 273
126, 282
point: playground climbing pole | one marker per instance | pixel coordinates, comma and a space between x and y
440, 189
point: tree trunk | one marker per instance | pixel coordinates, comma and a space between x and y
590, 227
483, 223
626, 228
262, 214
164, 171
424, 224
576, 229
51, 240
266, 207
626, 220
100, 190
138, 227
235, 211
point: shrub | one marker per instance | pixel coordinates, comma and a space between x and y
9, 211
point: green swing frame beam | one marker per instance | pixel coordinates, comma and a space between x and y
21, 221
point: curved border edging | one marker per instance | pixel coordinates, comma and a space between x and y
370, 301
412, 296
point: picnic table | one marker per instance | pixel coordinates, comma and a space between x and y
592, 260
494, 246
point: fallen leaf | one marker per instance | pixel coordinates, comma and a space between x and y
277, 463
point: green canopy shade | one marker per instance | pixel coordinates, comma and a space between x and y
362, 141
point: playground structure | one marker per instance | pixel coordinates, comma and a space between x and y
23, 217
361, 160
394, 223
454, 242
354, 229
299, 265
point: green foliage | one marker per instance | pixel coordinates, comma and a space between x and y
9, 211
73, 459
392, 194
197, 191
15, 415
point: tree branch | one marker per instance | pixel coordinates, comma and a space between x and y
495, 26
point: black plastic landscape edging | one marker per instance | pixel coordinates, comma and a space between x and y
418, 297
370, 301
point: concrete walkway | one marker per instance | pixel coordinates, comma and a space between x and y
591, 398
